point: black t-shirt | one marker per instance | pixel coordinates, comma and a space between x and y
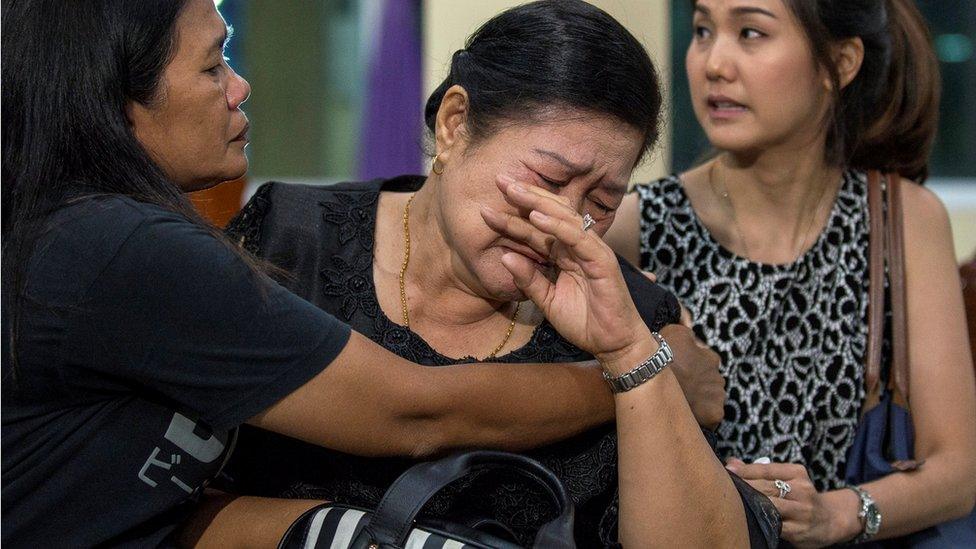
142, 344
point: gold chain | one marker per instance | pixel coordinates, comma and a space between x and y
403, 287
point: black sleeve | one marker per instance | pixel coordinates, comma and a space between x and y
179, 314
657, 306
245, 228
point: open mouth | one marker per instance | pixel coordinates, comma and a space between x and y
725, 105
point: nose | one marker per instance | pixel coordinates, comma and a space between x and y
238, 90
575, 198
720, 65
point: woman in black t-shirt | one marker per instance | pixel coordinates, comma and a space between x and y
136, 340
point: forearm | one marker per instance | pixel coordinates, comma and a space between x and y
225, 520
673, 490
942, 489
516, 406
371, 402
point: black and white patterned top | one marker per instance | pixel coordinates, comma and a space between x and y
792, 337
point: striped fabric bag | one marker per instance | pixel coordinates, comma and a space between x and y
393, 524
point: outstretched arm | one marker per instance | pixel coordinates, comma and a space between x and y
372, 402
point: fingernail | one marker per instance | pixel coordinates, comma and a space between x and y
505, 179
486, 210
539, 216
518, 188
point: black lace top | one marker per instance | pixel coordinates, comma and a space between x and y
324, 237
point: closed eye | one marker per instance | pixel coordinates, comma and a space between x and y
216, 68
551, 182
604, 209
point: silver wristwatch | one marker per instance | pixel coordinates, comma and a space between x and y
869, 513
645, 370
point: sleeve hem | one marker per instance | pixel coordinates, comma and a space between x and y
264, 396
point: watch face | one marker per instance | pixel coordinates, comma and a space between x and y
872, 520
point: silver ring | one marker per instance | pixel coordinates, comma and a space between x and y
588, 221
784, 488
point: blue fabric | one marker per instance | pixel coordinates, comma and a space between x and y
884, 435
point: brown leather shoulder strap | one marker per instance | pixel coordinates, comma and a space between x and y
896, 272
876, 295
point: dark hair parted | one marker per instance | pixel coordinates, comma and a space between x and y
887, 117
553, 54
69, 70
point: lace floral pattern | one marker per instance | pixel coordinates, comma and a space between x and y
341, 282
792, 337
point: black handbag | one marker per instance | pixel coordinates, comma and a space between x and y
393, 523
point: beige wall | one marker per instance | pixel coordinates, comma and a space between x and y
447, 23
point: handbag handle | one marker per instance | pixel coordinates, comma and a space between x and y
886, 248
394, 517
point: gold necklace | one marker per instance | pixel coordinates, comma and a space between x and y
805, 235
403, 287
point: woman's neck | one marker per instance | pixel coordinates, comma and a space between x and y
770, 206
449, 294
444, 301
775, 185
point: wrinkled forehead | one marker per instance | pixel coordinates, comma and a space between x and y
579, 144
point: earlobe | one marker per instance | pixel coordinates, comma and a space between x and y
450, 125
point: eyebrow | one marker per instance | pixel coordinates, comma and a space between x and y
221, 42
579, 168
614, 186
739, 11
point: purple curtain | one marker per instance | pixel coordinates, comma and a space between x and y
392, 113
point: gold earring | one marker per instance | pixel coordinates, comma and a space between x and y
437, 166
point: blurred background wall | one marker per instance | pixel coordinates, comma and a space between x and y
339, 88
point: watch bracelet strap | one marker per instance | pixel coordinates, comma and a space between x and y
866, 501
645, 371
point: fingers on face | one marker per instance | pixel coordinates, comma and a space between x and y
557, 220
518, 193
519, 230
528, 278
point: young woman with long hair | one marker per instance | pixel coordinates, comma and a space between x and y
766, 244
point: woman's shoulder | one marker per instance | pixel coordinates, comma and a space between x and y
925, 217
664, 188
293, 199
301, 211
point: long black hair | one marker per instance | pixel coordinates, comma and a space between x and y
553, 53
69, 69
